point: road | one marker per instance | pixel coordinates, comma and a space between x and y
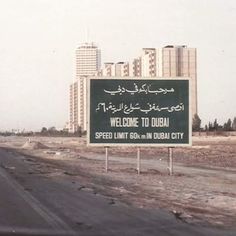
32, 203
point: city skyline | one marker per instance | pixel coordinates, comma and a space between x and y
39, 38
172, 61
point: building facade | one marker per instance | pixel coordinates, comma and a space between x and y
148, 61
88, 60
87, 63
120, 69
179, 61
78, 116
136, 67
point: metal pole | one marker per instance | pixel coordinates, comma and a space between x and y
170, 154
106, 164
138, 160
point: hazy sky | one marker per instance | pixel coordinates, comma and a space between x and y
38, 39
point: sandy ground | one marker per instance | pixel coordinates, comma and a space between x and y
202, 189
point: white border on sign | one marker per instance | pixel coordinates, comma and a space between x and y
139, 144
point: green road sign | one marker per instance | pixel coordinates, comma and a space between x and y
141, 112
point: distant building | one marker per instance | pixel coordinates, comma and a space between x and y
88, 63
170, 61
108, 69
120, 69
136, 67
148, 62
78, 105
179, 61
88, 60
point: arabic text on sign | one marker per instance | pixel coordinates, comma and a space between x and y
146, 89
131, 107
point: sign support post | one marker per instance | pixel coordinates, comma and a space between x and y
170, 160
138, 160
106, 163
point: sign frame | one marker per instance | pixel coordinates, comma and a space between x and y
171, 145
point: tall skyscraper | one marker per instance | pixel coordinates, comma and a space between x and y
87, 63
88, 60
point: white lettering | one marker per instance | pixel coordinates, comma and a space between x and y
160, 122
103, 135
177, 135
121, 135
161, 135
124, 122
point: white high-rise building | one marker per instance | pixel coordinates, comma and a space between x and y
88, 63
88, 60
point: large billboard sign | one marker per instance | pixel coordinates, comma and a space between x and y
141, 112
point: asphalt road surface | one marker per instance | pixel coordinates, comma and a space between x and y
32, 203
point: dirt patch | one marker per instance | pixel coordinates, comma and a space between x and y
34, 145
